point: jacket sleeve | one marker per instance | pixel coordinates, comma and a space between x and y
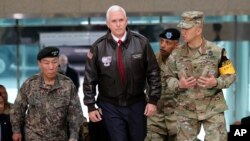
75, 115
17, 114
171, 81
90, 80
171, 75
224, 81
153, 76
76, 79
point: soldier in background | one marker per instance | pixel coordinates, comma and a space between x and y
162, 125
199, 72
47, 105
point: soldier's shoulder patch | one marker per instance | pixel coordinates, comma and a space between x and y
90, 55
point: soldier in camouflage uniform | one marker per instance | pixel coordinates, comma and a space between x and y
199, 72
47, 107
162, 125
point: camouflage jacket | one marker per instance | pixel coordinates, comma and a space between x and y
7, 108
47, 113
199, 103
167, 101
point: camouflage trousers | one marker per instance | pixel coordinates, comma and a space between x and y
30, 135
153, 136
161, 127
215, 128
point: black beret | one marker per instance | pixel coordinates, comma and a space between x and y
48, 52
170, 34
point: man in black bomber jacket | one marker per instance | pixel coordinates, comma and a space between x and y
121, 72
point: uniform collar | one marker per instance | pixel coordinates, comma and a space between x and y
202, 49
56, 84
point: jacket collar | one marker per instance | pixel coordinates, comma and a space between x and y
113, 43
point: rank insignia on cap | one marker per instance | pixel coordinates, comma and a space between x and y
48, 52
169, 35
55, 53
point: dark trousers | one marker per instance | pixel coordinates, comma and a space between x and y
125, 123
98, 132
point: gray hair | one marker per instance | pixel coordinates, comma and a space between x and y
114, 8
63, 57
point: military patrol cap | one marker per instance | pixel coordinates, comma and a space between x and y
170, 34
190, 19
48, 52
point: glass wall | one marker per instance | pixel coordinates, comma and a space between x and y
19, 44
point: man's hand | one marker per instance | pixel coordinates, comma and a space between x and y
207, 82
95, 116
150, 109
187, 83
17, 137
72, 139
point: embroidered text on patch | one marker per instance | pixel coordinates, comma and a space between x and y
136, 56
106, 60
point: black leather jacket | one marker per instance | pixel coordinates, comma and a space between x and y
140, 67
